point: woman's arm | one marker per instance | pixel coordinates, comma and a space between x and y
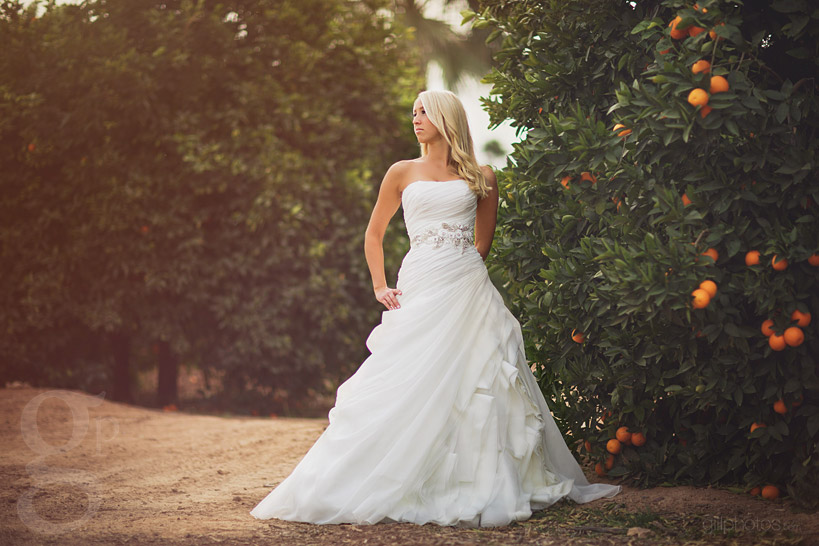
389, 199
487, 215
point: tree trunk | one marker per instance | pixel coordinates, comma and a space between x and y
167, 392
121, 368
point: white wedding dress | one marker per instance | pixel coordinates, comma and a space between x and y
444, 421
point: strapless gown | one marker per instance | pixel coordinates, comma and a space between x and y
444, 421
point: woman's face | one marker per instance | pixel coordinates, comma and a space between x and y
425, 131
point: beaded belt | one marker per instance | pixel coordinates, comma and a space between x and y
459, 235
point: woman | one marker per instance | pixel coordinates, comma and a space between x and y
444, 421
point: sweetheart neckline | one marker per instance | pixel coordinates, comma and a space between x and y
433, 182
437, 181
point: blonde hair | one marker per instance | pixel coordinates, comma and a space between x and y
446, 112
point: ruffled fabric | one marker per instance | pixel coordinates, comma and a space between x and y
444, 421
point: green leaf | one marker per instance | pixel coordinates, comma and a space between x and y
781, 112
687, 131
732, 330
788, 6
800, 53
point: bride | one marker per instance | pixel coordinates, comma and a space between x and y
444, 421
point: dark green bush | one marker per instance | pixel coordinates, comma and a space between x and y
196, 176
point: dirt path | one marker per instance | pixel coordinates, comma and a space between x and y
129, 475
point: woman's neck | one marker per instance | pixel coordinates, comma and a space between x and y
438, 153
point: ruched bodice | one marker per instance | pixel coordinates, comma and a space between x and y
444, 421
439, 213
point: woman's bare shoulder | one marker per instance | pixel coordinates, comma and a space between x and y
401, 174
399, 171
489, 175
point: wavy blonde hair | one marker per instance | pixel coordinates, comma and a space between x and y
446, 112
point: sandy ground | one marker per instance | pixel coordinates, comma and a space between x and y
76, 469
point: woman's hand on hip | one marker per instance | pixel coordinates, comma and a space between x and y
389, 297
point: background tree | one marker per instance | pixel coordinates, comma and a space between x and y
630, 193
459, 52
195, 178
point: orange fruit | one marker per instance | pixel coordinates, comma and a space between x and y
686, 201
712, 252
696, 7
598, 468
587, 445
802, 319
638, 439
755, 426
698, 97
623, 435
626, 132
578, 337
798, 402
609, 462
814, 260
752, 258
705, 110
565, 181
719, 85
701, 66
794, 336
767, 328
777, 342
676, 32
780, 407
614, 446
710, 287
755, 491
663, 52
701, 298
779, 265
585, 175
695, 31
770, 492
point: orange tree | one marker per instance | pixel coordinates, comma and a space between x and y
666, 145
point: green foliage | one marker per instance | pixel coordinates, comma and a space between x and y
200, 173
618, 254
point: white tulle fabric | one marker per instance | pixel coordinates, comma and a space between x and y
444, 421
